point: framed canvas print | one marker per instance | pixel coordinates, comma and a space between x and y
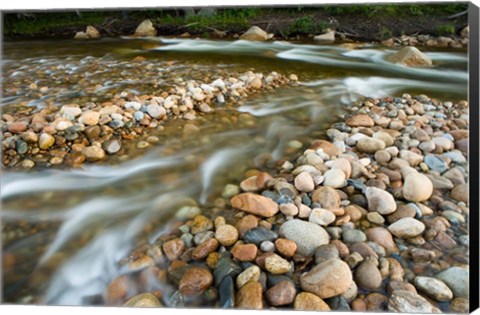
302, 157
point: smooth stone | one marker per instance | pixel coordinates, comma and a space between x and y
250, 274
360, 120
143, 300
434, 288
370, 145
267, 246
156, 111
255, 33
330, 278
277, 265
226, 234
411, 57
417, 187
457, 279
226, 293
368, 276
382, 237
306, 301
380, 201
45, 141
326, 38
112, 146
282, 293
412, 158
245, 252
308, 236
89, 118
93, 153
403, 301
249, 296
145, 28
326, 252
285, 247
460, 193
255, 204
225, 267
328, 197
406, 228
334, 178
304, 182
436, 163
195, 281
259, 235
321, 217
351, 236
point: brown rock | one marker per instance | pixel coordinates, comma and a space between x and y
382, 237
205, 249
201, 224
174, 248
460, 193
376, 302
195, 281
286, 247
359, 305
18, 127
328, 197
255, 204
360, 120
327, 147
276, 265
245, 252
249, 296
282, 293
306, 301
94, 153
330, 278
368, 276
117, 290
246, 223
226, 234
143, 300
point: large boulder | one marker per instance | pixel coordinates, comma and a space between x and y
145, 28
326, 38
411, 57
256, 33
90, 33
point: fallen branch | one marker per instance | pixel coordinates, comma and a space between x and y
457, 15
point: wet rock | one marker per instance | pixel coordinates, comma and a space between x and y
145, 28
417, 187
205, 248
434, 288
407, 302
225, 267
460, 305
250, 274
368, 276
334, 178
360, 120
156, 111
436, 163
460, 193
382, 237
226, 293
411, 57
174, 248
90, 33
255, 204
112, 146
201, 224
259, 235
304, 182
406, 228
246, 223
380, 201
18, 127
326, 38
457, 279
277, 265
143, 300
328, 197
286, 247
329, 148
89, 118
117, 290
250, 296
351, 236
326, 252
308, 236
245, 252
289, 209
45, 141
330, 278
282, 293
370, 145
306, 301
93, 153
255, 33
195, 281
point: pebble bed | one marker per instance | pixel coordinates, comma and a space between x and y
374, 218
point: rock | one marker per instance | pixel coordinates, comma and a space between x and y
436, 163
286, 247
434, 288
380, 201
156, 111
384, 136
226, 234
326, 252
89, 118
255, 33
255, 204
351, 236
329, 148
411, 57
330, 278
411, 157
341, 164
402, 301
334, 178
249, 296
226, 293
417, 187
465, 31
143, 300
326, 38
267, 246
250, 274
145, 28
282, 293
460, 306
368, 276
457, 279
90, 33
306, 301
321, 217
225, 268
93, 153
245, 252
328, 197
406, 228
174, 248
289, 209
195, 281
460, 193
360, 120
246, 223
18, 127
375, 218
259, 235
112, 146
304, 182
277, 265
308, 236
370, 145
205, 248
45, 141
382, 237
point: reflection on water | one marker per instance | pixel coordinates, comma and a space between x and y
65, 231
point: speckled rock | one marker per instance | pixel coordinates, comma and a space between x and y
308, 236
330, 278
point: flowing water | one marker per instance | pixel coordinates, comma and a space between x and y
65, 230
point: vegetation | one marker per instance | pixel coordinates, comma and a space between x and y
294, 20
446, 29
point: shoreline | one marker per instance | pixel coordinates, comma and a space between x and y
384, 198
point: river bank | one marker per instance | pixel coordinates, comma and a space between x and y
382, 205
358, 23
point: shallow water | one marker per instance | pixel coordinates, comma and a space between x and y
67, 229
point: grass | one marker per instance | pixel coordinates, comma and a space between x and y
446, 29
